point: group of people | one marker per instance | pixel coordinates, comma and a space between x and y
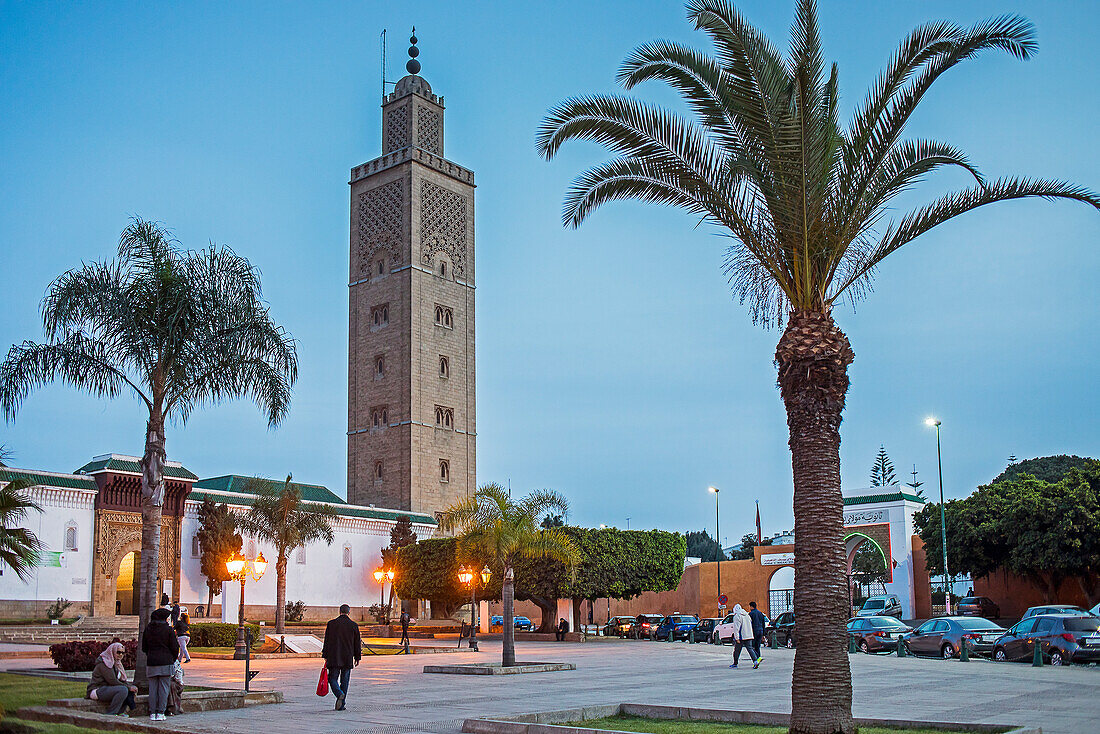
748, 633
165, 646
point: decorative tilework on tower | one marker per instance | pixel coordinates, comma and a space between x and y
411, 396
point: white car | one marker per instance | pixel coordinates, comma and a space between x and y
723, 631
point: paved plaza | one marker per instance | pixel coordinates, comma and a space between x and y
391, 695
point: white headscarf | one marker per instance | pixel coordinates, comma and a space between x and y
112, 658
738, 609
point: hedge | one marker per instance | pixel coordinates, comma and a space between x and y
73, 657
220, 634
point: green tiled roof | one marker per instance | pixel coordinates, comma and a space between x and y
8, 474
240, 485
867, 499
131, 467
223, 489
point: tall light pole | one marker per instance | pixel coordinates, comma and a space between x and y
718, 555
934, 422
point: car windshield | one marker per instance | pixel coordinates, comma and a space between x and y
885, 623
977, 623
681, 620
969, 600
1082, 624
874, 604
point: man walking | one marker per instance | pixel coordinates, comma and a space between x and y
342, 649
759, 622
405, 619
742, 636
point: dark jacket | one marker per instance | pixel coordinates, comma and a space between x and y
103, 676
343, 645
405, 619
159, 643
182, 628
758, 622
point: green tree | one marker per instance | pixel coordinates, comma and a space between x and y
177, 329
748, 542
805, 203
492, 525
428, 569
218, 541
701, 545
868, 564
401, 535
882, 471
552, 521
281, 518
1047, 468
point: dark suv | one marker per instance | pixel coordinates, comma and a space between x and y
978, 606
1062, 638
646, 625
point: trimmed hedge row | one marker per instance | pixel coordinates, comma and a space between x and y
219, 634
73, 657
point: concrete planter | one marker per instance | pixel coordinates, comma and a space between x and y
498, 669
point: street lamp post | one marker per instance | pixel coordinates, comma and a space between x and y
469, 577
933, 422
240, 568
718, 555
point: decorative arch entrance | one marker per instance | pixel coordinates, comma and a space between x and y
128, 584
781, 591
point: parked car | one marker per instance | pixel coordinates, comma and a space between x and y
702, 632
1062, 638
645, 625
618, 626
944, 636
883, 605
977, 606
877, 634
1095, 611
523, 624
677, 625
1054, 609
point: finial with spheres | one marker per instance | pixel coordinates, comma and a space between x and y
412, 64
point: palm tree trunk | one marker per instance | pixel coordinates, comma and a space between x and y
813, 357
508, 634
152, 501
280, 594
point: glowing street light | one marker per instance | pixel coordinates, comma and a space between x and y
469, 578
240, 569
933, 422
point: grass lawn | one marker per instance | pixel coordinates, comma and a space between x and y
17, 691
659, 726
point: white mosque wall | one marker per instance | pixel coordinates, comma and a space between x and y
63, 510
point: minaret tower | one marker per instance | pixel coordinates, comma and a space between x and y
411, 430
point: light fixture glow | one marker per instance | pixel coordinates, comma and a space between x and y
713, 490
931, 422
486, 574
235, 564
259, 566
379, 574
464, 575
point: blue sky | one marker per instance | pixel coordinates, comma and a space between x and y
613, 363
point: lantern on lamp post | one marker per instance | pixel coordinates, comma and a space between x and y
240, 569
469, 578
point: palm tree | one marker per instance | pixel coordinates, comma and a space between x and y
495, 527
19, 547
804, 202
177, 329
284, 520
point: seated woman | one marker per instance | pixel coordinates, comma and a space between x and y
109, 681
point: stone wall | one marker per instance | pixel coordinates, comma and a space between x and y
1014, 594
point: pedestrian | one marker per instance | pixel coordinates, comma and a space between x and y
183, 634
161, 648
164, 600
109, 682
563, 629
405, 619
175, 691
175, 612
341, 650
759, 622
742, 635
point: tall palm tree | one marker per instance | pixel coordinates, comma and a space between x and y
19, 547
177, 329
494, 526
804, 201
284, 520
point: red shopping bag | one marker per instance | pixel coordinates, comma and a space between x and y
322, 684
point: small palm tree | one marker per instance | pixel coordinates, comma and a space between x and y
493, 526
284, 520
178, 330
805, 203
19, 547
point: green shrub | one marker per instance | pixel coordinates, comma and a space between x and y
55, 610
219, 634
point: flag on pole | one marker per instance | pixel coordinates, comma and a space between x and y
759, 534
